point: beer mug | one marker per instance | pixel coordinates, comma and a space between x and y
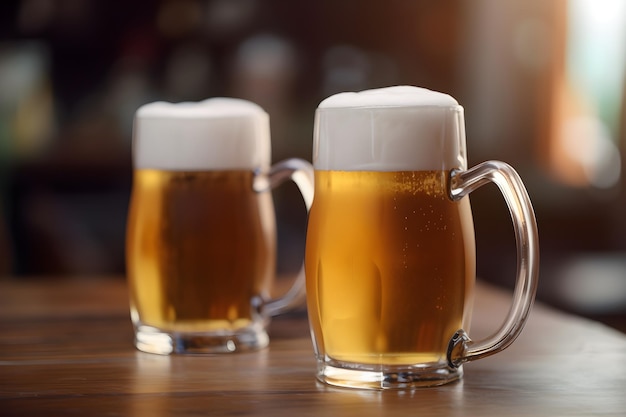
201, 233
390, 249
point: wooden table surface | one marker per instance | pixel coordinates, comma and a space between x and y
66, 349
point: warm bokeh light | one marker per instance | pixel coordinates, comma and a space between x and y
589, 89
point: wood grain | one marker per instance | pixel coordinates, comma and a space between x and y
66, 349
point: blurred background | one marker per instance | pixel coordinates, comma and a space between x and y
542, 83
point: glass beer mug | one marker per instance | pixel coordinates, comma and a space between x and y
201, 238
390, 250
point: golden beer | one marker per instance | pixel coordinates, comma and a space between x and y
390, 263
200, 249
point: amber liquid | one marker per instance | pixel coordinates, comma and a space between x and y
390, 264
200, 249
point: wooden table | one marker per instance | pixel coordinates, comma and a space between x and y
66, 349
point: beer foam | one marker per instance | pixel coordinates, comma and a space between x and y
398, 96
214, 134
389, 129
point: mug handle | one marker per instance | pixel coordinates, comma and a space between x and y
461, 348
301, 173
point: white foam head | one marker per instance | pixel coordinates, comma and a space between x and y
214, 134
389, 129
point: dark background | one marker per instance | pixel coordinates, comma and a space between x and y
73, 72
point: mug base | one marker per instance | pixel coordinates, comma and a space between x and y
152, 340
392, 378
